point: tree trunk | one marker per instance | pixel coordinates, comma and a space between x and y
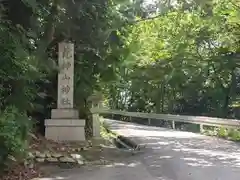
229, 92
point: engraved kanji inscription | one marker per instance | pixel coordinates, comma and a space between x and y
65, 89
66, 52
65, 101
65, 77
66, 65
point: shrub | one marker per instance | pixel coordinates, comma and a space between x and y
226, 133
222, 132
14, 129
234, 134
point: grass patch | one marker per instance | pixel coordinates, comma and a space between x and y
105, 132
225, 133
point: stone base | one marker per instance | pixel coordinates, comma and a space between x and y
65, 129
100, 140
64, 114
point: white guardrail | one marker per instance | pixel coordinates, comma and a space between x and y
201, 120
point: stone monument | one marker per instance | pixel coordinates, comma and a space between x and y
65, 124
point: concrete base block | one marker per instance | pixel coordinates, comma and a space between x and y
64, 114
65, 129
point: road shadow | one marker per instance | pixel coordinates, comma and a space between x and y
169, 155
183, 155
199, 150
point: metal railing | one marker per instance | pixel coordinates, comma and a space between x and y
201, 120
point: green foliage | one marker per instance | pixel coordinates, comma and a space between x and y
226, 133
222, 132
14, 130
29, 33
18, 70
105, 132
167, 58
184, 61
234, 134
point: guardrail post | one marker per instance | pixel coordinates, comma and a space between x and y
149, 121
173, 124
130, 118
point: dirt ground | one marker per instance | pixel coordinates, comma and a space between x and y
101, 152
94, 152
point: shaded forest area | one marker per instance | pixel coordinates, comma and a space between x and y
174, 56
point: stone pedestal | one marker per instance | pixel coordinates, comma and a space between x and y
64, 114
65, 129
65, 124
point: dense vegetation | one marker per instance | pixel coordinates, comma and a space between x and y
185, 60
165, 57
29, 33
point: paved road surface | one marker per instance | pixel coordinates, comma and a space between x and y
169, 155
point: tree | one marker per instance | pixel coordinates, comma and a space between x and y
185, 61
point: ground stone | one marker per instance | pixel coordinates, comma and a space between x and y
52, 160
67, 160
40, 160
57, 155
77, 156
80, 162
40, 155
30, 155
48, 154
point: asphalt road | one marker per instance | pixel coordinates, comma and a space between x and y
169, 155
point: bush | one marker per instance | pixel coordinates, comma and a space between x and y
234, 134
222, 132
14, 129
226, 133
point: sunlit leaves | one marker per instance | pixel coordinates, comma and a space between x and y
191, 51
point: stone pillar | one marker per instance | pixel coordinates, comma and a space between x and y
96, 102
65, 124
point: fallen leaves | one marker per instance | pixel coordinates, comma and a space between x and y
21, 172
43, 151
